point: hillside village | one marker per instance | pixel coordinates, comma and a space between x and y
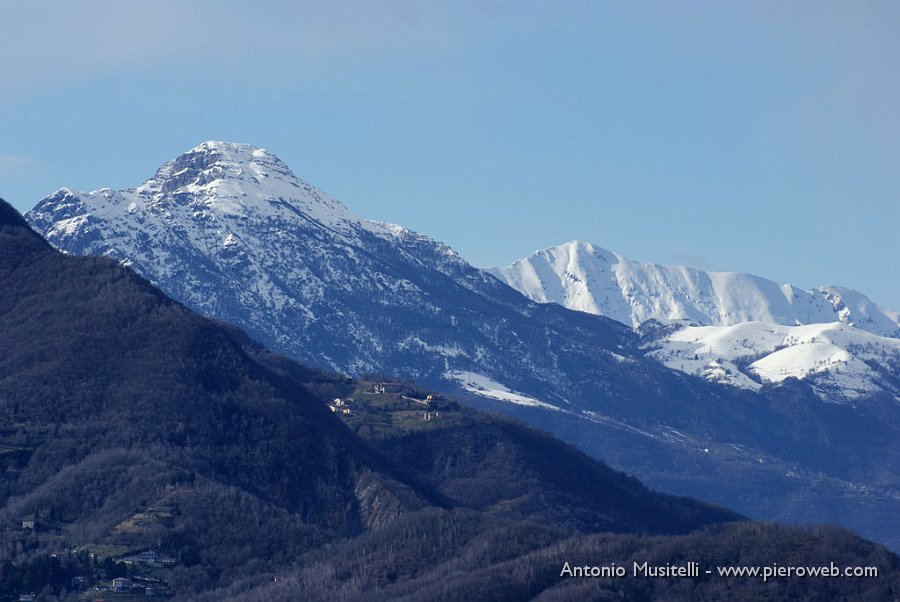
118, 567
376, 409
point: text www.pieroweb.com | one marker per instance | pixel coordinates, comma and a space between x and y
693, 570
776, 571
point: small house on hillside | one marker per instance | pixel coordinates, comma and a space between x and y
121, 584
150, 558
340, 406
388, 387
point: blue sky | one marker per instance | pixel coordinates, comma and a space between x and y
747, 136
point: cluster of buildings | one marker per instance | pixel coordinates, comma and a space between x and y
382, 388
149, 558
341, 406
140, 586
133, 586
136, 585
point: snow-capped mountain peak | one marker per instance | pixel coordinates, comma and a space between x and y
232, 178
214, 182
236, 213
215, 162
588, 278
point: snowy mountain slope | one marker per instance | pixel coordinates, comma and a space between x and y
840, 361
229, 231
584, 277
485, 387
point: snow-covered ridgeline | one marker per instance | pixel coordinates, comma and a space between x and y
587, 278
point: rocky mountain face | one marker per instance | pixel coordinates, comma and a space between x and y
229, 231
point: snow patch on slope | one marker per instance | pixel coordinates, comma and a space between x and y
485, 387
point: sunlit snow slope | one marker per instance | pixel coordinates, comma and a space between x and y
587, 278
840, 361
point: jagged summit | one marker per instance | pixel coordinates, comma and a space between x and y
212, 183
233, 178
211, 161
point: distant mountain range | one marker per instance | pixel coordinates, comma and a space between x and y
229, 231
585, 277
752, 331
139, 439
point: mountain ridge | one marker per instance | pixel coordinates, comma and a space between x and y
586, 277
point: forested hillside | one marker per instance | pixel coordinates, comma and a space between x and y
143, 442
